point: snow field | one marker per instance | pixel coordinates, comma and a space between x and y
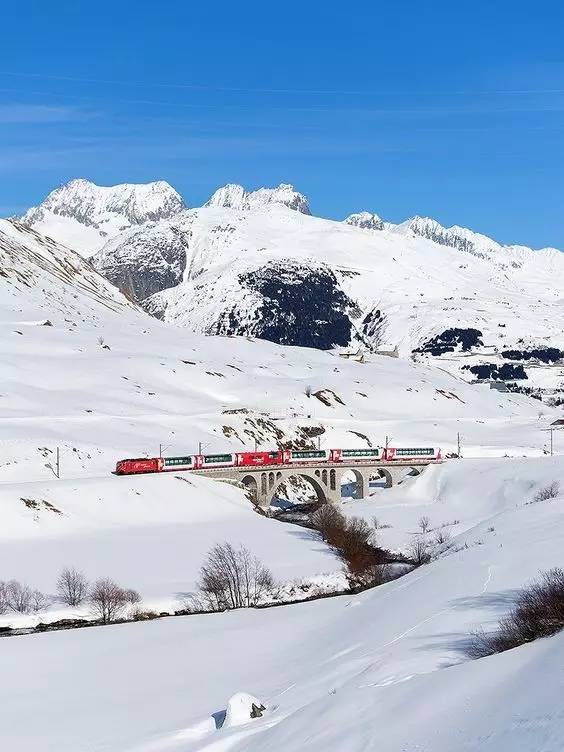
384, 667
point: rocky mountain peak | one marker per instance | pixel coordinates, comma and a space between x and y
91, 204
365, 220
234, 196
84, 215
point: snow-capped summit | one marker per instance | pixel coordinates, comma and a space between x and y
84, 215
365, 220
456, 237
234, 196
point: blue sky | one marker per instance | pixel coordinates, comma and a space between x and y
448, 109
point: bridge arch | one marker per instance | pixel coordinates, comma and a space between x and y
304, 475
251, 485
359, 482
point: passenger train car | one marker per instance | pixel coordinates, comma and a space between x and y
276, 457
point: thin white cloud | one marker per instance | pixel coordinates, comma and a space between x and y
20, 114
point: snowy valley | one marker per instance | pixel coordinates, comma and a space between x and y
132, 326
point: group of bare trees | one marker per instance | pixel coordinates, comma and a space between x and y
20, 598
106, 599
231, 578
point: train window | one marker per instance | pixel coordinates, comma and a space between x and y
415, 451
361, 452
211, 458
177, 460
308, 455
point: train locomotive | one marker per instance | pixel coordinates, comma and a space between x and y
276, 457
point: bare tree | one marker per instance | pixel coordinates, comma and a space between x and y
232, 578
38, 601
72, 586
419, 550
4, 605
424, 523
308, 390
132, 596
19, 597
108, 600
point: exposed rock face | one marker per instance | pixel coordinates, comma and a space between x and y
372, 326
497, 372
451, 340
234, 196
299, 306
365, 220
141, 264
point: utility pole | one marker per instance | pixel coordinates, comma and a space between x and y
59, 463
551, 442
163, 449
458, 444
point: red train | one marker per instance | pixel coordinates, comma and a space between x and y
276, 457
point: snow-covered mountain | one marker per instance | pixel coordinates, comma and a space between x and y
258, 263
84, 216
302, 280
365, 220
233, 196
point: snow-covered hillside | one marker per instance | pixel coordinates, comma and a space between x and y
296, 279
385, 668
84, 216
48, 280
106, 381
84, 370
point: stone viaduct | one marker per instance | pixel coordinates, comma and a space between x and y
264, 482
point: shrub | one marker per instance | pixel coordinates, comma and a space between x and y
442, 541
139, 614
370, 576
548, 492
538, 612
419, 551
108, 600
328, 521
72, 586
424, 523
231, 578
354, 542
